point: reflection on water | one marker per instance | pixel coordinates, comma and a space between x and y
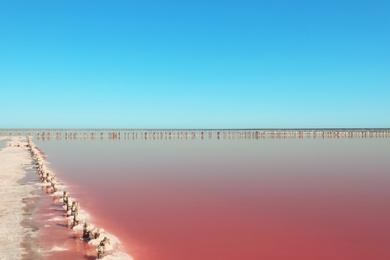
232, 194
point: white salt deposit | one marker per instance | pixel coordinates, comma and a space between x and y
58, 248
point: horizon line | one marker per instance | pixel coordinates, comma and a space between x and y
204, 129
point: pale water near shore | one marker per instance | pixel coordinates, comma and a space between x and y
3, 143
233, 199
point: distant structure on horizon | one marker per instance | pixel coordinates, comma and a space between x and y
184, 134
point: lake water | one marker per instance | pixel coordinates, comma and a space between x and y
3, 143
233, 199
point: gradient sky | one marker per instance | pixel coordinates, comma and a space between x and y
194, 64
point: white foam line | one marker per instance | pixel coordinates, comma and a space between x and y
56, 219
58, 248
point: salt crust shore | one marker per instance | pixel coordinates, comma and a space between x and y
14, 235
14, 160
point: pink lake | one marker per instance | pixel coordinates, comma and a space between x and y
233, 199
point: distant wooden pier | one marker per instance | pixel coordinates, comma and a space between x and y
191, 134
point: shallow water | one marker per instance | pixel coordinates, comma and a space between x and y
3, 143
57, 240
233, 198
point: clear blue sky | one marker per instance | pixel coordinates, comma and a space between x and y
194, 64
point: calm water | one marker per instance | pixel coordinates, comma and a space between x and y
3, 143
234, 199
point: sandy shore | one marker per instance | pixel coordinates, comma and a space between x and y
17, 232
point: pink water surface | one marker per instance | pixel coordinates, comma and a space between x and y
57, 239
234, 199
